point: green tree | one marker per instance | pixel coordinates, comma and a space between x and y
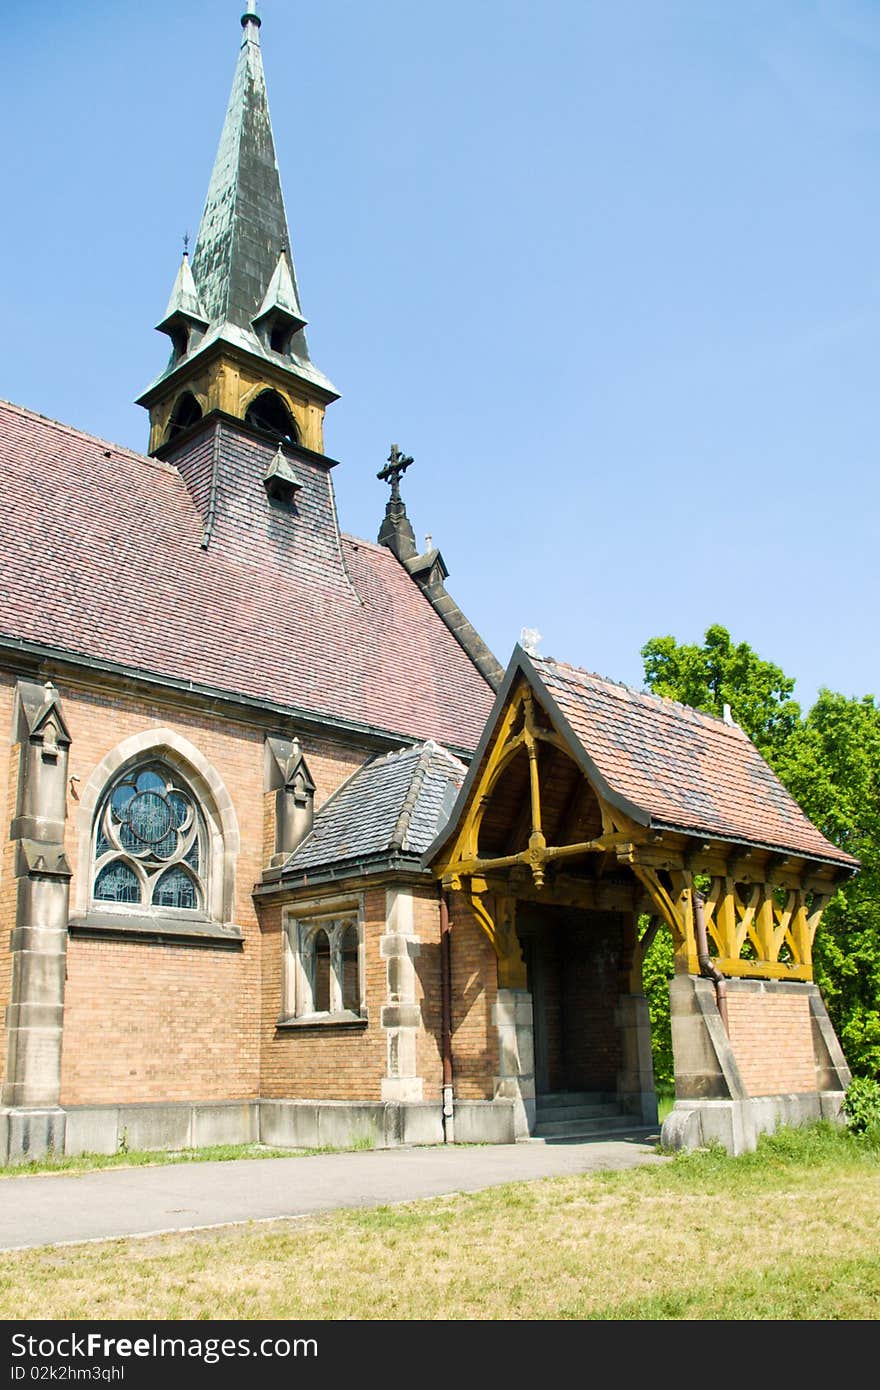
830, 762
657, 971
719, 673
831, 766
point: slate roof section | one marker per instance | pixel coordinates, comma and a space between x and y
682, 769
101, 557
395, 804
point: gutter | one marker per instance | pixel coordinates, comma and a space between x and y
279, 880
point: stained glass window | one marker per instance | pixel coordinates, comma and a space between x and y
150, 823
117, 883
175, 889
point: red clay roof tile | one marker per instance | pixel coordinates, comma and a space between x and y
687, 770
101, 556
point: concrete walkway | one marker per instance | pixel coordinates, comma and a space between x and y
52, 1209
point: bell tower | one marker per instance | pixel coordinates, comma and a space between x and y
237, 331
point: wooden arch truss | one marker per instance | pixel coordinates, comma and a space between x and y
761, 908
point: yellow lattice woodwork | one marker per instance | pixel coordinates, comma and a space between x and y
756, 929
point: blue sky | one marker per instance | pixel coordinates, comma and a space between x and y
610, 272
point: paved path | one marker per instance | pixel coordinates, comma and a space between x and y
50, 1209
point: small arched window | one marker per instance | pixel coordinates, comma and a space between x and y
150, 848
186, 412
349, 972
321, 974
268, 412
324, 968
280, 336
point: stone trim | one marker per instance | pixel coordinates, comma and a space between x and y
514, 1020
38, 941
342, 1022
216, 804
299, 924
401, 1015
293, 1124
635, 1079
161, 930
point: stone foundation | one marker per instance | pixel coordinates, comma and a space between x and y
28, 1134
781, 1064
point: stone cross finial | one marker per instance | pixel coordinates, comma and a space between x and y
397, 464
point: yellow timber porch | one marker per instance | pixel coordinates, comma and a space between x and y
570, 880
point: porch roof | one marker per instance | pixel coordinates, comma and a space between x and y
665, 765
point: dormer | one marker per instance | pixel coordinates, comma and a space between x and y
280, 317
185, 320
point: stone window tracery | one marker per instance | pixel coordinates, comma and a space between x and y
150, 844
324, 967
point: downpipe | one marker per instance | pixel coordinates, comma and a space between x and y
446, 1018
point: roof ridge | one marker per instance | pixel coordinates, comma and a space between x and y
64, 428
401, 828
714, 720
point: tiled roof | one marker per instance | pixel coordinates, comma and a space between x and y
687, 770
101, 556
397, 802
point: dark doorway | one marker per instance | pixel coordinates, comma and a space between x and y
573, 960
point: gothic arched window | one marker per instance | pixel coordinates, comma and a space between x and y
268, 412
324, 967
150, 847
185, 413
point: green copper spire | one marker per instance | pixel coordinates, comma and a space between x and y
243, 281
244, 225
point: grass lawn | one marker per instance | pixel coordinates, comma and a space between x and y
789, 1232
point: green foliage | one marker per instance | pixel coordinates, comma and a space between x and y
830, 762
657, 971
831, 766
861, 1104
719, 673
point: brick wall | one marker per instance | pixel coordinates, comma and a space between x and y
475, 1062
772, 1038
145, 1022
149, 1022
324, 1062
591, 947
574, 960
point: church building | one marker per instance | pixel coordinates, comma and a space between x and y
289, 856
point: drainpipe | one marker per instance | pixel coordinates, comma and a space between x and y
708, 970
446, 1018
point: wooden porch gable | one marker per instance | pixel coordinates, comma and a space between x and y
539, 820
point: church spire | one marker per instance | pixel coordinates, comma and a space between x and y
244, 225
241, 286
